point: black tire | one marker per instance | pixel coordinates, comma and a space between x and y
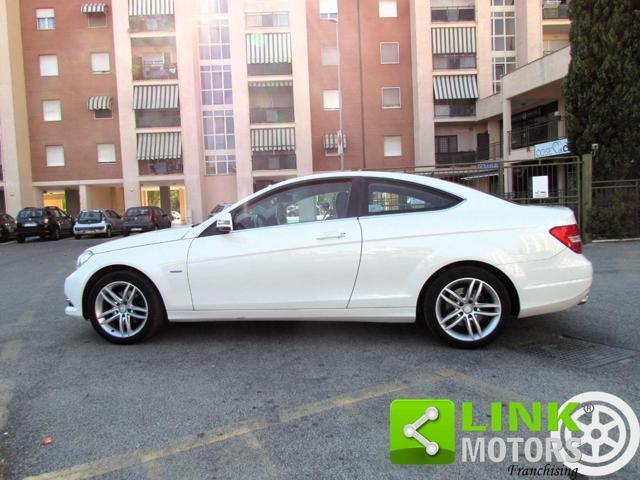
20, 238
125, 233
5, 235
155, 227
108, 234
457, 273
55, 234
156, 315
78, 237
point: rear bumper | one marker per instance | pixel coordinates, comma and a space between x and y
33, 231
552, 285
89, 229
138, 227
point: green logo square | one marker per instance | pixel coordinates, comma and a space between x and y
422, 431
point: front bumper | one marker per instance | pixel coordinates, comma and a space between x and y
73, 289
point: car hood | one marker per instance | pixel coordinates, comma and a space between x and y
142, 239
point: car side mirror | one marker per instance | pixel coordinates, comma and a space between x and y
224, 223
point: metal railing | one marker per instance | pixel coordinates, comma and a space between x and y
160, 167
555, 10
456, 108
453, 14
153, 70
492, 152
538, 133
450, 158
615, 210
283, 161
271, 115
156, 23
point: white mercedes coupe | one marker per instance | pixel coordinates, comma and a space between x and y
353, 246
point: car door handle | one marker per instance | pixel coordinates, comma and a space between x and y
330, 235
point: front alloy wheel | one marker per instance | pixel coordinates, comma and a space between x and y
126, 308
467, 306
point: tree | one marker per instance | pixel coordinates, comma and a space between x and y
602, 89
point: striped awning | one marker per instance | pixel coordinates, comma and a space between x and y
271, 83
453, 40
330, 141
99, 102
159, 146
150, 7
455, 87
272, 139
155, 97
268, 48
93, 8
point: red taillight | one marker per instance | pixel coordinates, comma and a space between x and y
569, 235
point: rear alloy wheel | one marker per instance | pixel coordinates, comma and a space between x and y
19, 238
126, 308
467, 306
78, 237
55, 234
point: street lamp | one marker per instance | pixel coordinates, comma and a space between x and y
339, 139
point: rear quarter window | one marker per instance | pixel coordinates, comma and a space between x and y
385, 197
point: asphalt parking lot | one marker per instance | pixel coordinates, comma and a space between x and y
276, 399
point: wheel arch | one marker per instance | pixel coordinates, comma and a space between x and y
509, 285
109, 269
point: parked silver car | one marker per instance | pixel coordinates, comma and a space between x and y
101, 221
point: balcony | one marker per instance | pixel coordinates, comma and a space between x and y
274, 161
537, 133
152, 23
453, 14
455, 108
552, 10
452, 158
154, 58
271, 115
454, 61
491, 152
160, 167
157, 118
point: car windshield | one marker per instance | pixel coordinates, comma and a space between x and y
90, 215
31, 213
137, 212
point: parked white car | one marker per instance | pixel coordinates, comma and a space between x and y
384, 248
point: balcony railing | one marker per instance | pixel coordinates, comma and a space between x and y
455, 109
553, 10
282, 161
453, 14
271, 115
160, 167
492, 152
454, 61
451, 158
158, 23
153, 70
538, 133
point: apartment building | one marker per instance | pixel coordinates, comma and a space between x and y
186, 105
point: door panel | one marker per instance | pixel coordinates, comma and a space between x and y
304, 265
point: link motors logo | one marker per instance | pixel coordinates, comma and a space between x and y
594, 433
608, 434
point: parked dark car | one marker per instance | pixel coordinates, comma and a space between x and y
45, 222
100, 221
145, 219
218, 208
8, 227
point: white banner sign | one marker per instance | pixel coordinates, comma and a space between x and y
540, 186
549, 149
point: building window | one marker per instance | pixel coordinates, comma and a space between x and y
218, 130
500, 3
267, 19
550, 46
48, 65
214, 40
212, 7
97, 20
389, 52
454, 61
503, 31
328, 9
329, 55
100, 63
46, 19
502, 66
106, 153
51, 111
455, 108
388, 8
102, 114
220, 164
446, 144
55, 155
331, 99
216, 84
391, 97
393, 146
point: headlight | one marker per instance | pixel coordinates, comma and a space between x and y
82, 259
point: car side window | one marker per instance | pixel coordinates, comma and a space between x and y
403, 197
298, 204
